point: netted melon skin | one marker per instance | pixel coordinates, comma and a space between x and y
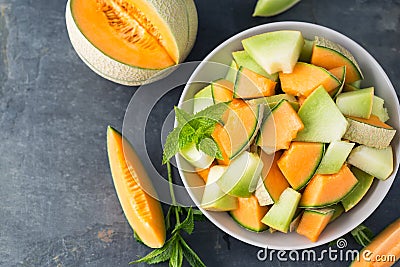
182, 21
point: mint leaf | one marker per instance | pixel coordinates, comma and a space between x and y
188, 224
176, 256
199, 216
213, 112
208, 146
190, 255
160, 254
362, 235
171, 146
186, 136
182, 117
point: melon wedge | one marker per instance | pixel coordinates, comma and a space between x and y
379, 110
313, 222
249, 214
243, 59
329, 55
357, 103
130, 42
203, 99
249, 85
370, 132
305, 78
338, 210
327, 189
231, 74
279, 128
273, 100
323, 121
222, 91
275, 51
299, 163
142, 211
306, 52
340, 74
335, 156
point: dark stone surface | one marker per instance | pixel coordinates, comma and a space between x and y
58, 204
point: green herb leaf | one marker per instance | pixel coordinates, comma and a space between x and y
182, 117
160, 254
199, 216
186, 136
187, 225
176, 256
362, 235
190, 255
171, 146
137, 237
208, 146
213, 112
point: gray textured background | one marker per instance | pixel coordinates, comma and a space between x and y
58, 204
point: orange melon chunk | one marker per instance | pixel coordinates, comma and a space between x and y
384, 244
222, 91
250, 84
142, 211
203, 173
299, 163
221, 137
280, 128
249, 214
305, 78
327, 189
274, 181
313, 222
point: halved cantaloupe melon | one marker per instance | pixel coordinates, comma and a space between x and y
141, 209
327, 189
128, 41
299, 163
249, 214
305, 78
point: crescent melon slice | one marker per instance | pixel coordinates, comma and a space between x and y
129, 41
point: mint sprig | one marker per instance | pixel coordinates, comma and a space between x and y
195, 128
175, 248
362, 235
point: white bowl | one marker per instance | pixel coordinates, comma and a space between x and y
374, 76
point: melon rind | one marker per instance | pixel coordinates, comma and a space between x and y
179, 15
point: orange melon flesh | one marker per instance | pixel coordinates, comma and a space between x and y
142, 211
221, 137
222, 91
249, 214
299, 162
280, 128
152, 39
312, 224
384, 244
373, 120
258, 83
330, 59
274, 181
203, 173
305, 78
338, 72
324, 190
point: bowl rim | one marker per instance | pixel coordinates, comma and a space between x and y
386, 185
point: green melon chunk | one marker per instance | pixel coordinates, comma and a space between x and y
275, 51
296, 220
262, 194
376, 162
214, 198
364, 183
242, 58
357, 84
268, 8
241, 177
357, 103
378, 109
231, 74
306, 52
195, 157
281, 214
323, 121
203, 99
338, 211
368, 133
335, 156
349, 88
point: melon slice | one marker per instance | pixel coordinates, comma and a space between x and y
376, 162
242, 58
334, 158
249, 84
357, 103
129, 42
364, 183
313, 222
241, 176
262, 194
306, 52
135, 191
273, 100
329, 55
323, 121
340, 74
327, 189
296, 220
213, 198
338, 210
280, 128
268, 8
249, 214
379, 110
231, 74
195, 157
305, 78
299, 163
203, 173
274, 180
275, 51
222, 91
203, 99
370, 132
281, 214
